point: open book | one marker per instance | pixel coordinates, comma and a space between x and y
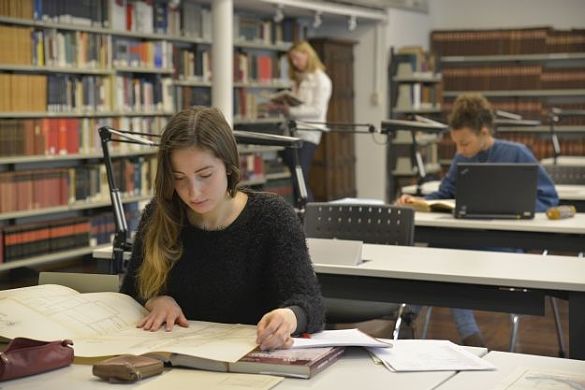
285, 97
104, 324
435, 205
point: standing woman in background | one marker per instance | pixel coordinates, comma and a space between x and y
313, 87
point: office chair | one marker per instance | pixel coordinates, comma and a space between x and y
566, 174
389, 225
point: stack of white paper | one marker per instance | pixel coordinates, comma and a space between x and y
429, 355
340, 338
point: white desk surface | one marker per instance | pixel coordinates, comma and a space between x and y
355, 370
506, 364
565, 191
573, 161
571, 191
540, 223
459, 266
465, 266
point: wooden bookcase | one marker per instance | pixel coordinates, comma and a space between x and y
525, 71
120, 66
333, 169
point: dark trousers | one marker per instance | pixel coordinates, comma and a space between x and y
306, 153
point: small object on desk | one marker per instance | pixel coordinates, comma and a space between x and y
127, 368
561, 212
24, 357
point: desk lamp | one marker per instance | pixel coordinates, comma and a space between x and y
555, 115
508, 119
419, 124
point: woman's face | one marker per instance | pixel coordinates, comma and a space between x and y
200, 179
468, 142
299, 60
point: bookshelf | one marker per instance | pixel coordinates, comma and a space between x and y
415, 88
526, 71
116, 71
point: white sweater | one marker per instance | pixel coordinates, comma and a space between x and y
315, 91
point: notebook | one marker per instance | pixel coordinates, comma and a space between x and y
496, 190
335, 252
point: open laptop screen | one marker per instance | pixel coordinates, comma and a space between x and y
496, 190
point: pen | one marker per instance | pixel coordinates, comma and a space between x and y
306, 335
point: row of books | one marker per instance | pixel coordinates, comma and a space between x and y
144, 93
249, 104
85, 94
22, 92
507, 41
78, 12
262, 68
418, 96
523, 77
251, 167
193, 63
186, 97
33, 239
413, 60
530, 108
76, 93
16, 46
143, 54
249, 28
65, 136
68, 49
540, 145
103, 225
44, 188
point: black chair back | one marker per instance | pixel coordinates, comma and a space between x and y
372, 224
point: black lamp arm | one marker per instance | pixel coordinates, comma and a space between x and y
122, 240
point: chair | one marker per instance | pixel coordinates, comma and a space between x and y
566, 174
81, 282
374, 224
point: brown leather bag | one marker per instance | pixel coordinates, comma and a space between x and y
127, 368
25, 357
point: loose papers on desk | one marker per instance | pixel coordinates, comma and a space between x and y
429, 355
341, 338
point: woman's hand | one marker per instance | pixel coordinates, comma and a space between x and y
163, 310
275, 328
405, 199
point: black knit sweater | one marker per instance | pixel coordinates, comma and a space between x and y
258, 263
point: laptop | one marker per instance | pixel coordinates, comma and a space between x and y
334, 251
496, 190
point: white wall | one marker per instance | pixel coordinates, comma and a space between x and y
453, 14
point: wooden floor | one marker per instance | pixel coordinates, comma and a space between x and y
537, 335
